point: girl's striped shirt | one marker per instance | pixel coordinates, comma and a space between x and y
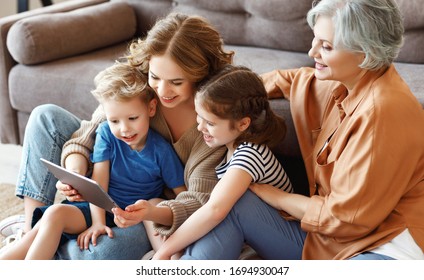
260, 163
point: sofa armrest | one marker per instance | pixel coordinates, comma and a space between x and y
8, 118
49, 37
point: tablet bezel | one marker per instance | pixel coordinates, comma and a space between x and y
89, 189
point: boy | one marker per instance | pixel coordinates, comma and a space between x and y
129, 163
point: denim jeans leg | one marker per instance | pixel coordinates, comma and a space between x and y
224, 242
127, 244
272, 237
252, 221
48, 128
371, 256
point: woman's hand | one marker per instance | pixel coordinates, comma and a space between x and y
133, 214
92, 233
270, 194
293, 204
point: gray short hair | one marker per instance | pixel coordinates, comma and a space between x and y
372, 27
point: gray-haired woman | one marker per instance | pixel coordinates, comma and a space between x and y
360, 132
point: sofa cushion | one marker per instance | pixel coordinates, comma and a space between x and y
66, 82
48, 37
263, 60
412, 74
275, 24
412, 11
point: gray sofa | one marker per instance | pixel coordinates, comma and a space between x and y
51, 55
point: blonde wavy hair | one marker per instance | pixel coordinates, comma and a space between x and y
192, 42
121, 82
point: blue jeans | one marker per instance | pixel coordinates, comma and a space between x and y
256, 223
128, 244
371, 256
48, 128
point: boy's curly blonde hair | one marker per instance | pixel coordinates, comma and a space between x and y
121, 82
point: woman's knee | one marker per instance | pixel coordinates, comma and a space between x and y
51, 122
42, 118
45, 111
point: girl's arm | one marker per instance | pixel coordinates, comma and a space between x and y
101, 173
229, 189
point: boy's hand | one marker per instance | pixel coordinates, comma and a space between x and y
76, 163
68, 191
92, 233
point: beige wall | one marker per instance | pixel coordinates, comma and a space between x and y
10, 7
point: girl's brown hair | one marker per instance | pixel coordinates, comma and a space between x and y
237, 92
194, 44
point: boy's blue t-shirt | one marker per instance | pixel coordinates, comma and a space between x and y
137, 175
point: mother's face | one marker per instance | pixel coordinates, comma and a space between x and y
170, 82
332, 63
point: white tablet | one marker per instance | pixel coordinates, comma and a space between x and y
89, 189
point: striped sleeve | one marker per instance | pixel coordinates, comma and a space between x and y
261, 164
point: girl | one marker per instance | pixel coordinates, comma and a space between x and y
233, 111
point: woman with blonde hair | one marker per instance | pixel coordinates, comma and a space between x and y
178, 53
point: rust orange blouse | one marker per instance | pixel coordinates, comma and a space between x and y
364, 156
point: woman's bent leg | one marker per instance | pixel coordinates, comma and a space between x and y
129, 243
48, 128
252, 221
